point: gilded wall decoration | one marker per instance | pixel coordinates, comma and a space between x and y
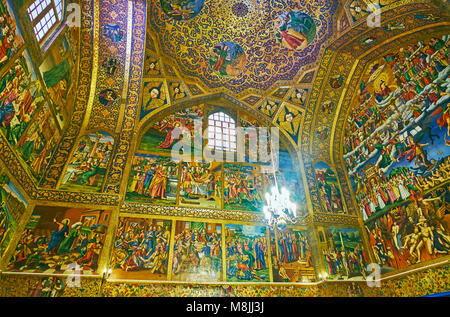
259, 21
113, 42
68, 139
422, 283
12, 207
121, 152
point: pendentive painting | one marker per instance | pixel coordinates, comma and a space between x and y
89, 162
197, 254
247, 254
61, 240
200, 185
141, 249
291, 256
12, 207
344, 255
153, 179
159, 138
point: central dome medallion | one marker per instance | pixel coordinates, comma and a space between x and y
273, 39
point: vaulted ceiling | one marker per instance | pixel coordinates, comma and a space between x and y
276, 38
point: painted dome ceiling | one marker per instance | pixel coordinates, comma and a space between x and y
241, 44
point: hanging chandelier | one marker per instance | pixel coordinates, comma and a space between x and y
279, 210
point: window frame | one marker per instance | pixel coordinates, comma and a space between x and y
49, 8
218, 134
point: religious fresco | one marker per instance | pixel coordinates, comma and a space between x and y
359, 9
153, 179
60, 240
201, 185
247, 254
20, 96
141, 249
58, 71
276, 41
182, 10
177, 91
414, 232
289, 119
39, 141
11, 36
227, 59
159, 138
344, 254
299, 97
295, 30
114, 32
269, 107
197, 254
152, 66
243, 187
329, 192
291, 256
90, 159
154, 96
396, 142
12, 207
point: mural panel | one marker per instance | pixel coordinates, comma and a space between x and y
201, 185
291, 256
20, 96
197, 254
344, 255
413, 232
243, 187
12, 207
158, 138
58, 73
396, 142
247, 254
39, 142
329, 192
11, 36
89, 162
60, 240
153, 179
141, 249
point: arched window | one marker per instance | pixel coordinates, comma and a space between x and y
45, 16
221, 132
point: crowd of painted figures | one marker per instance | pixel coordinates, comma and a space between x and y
246, 258
242, 185
390, 127
412, 233
141, 246
8, 35
346, 263
198, 251
415, 69
66, 245
197, 180
151, 176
